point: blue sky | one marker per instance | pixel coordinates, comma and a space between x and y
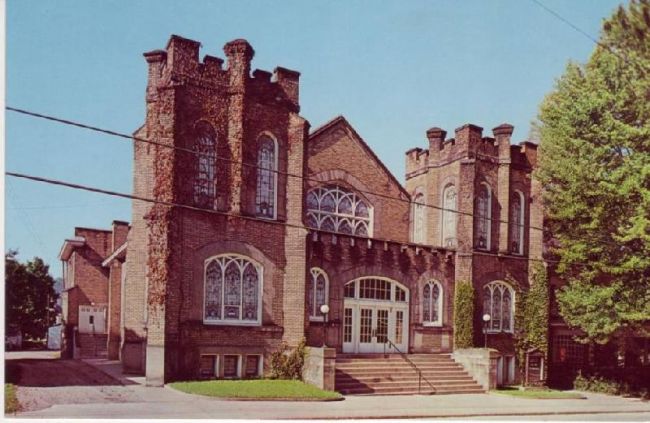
392, 68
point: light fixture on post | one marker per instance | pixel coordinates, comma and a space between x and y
324, 309
486, 322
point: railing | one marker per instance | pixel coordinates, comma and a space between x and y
412, 364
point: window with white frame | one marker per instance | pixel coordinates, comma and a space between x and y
483, 217
233, 290
419, 219
205, 147
517, 217
432, 304
317, 293
499, 303
336, 209
449, 216
267, 178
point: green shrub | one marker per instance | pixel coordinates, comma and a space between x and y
464, 315
287, 363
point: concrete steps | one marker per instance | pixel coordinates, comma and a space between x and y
367, 374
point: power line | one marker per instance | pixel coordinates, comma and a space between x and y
288, 174
244, 217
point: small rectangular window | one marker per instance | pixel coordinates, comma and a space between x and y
208, 366
253, 366
230, 366
91, 319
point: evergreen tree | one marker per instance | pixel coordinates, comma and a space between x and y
595, 168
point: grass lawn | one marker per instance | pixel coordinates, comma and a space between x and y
11, 402
538, 393
262, 389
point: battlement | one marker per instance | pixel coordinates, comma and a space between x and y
179, 64
468, 142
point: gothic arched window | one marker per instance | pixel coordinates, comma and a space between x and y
432, 304
205, 147
419, 227
233, 290
267, 178
336, 209
483, 217
517, 223
499, 303
449, 216
317, 293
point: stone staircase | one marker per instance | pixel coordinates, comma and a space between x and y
92, 345
391, 374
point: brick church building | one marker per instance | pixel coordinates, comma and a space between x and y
260, 220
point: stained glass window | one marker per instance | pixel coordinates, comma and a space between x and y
205, 147
266, 178
432, 303
499, 303
482, 217
449, 216
517, 223
336, 209
232, 290
418, 219
317, 293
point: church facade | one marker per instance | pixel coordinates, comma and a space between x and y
257, 221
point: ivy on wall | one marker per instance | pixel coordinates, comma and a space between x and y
463, 315
531, 316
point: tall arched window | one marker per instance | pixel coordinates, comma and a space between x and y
432, 304
233, 290
336, 209
317, 293
483, 217
205, 146
449, 216
499, 303
517, 216
267, 178
419, 227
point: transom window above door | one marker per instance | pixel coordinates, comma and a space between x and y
370, 288
337, 209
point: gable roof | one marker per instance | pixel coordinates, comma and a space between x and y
339, 121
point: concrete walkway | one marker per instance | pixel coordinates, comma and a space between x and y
148, 402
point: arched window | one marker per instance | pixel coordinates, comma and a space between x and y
449, 216
336, 209
233, 290
317, 293
483, 217
499, 303
205, 146
419, 227
432, 304
267, 178
517, 223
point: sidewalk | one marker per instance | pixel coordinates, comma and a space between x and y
165, 402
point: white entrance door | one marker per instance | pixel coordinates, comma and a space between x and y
369, 323
92, 319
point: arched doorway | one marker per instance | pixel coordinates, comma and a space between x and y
375, 310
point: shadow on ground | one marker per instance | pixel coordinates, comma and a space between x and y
55, 372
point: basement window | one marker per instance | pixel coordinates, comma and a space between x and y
208, 366
253, 366
231, 366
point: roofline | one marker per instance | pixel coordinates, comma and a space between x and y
69, 245
85, 228
341, 119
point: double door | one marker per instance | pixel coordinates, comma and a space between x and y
369, 327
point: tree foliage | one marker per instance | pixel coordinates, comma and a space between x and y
463, 315
30, 296
595, 167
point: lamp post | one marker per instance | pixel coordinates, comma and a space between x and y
325, 309
486, 321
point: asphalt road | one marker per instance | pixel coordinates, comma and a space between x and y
52, 388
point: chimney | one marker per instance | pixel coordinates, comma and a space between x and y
502, 134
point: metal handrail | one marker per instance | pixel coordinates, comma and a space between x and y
412, 364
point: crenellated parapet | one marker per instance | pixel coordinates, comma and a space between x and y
179, 64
